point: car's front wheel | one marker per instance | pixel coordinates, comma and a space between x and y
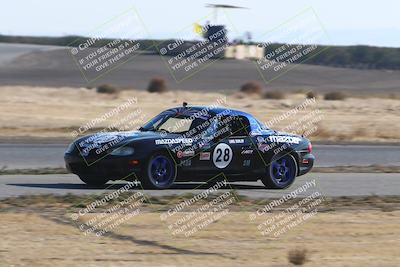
93, 180
281, 172
160, 172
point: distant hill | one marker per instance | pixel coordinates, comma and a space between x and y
358, 57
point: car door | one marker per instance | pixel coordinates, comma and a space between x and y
204, 145
240, 146
224, 147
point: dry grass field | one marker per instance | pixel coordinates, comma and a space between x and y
41, 231
57, 112
341, 238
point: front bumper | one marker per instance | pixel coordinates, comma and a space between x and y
111, 167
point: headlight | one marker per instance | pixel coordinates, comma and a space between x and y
123, 151
70, 148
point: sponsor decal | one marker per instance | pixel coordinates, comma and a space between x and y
279, 139
186, 141
284, 139
222, 155
247, 152
205, 155
236, 141
186, 162
246, 163
186, 153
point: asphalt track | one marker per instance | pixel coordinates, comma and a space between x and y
20, 156
327, 184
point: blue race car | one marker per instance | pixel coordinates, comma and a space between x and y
192, 143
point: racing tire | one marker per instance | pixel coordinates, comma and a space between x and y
160, 172
93, 180
281, 172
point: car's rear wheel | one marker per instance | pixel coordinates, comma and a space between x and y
160, 172
93, 180
281, 172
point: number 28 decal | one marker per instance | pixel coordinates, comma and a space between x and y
222, 155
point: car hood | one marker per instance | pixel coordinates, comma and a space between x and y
109, 140
103, 138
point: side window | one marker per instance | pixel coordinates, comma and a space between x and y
240, 126
235, 125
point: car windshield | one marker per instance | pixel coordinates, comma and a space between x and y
171, 122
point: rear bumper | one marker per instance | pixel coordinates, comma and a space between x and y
306, 162
113, 168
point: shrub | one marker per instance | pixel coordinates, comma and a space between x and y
106, 89
335, 96
297, 256
251, 87
274, 95
311, 94
157, 85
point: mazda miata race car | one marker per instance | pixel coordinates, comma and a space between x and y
192, 143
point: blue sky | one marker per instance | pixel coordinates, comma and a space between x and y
347, 22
